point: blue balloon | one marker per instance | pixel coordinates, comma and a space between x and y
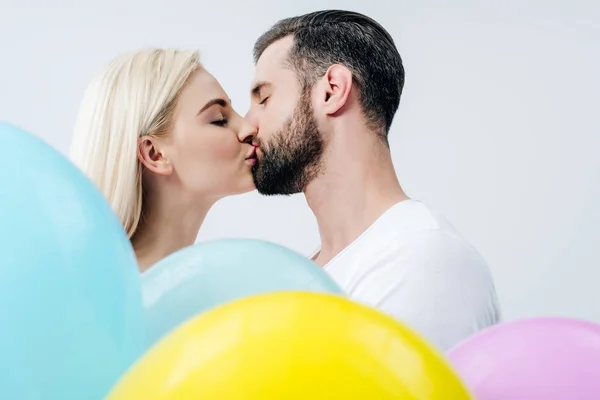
71, 314
205, 275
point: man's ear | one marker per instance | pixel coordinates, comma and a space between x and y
337, 83
152, 157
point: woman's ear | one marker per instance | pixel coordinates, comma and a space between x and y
337, 83
152, 157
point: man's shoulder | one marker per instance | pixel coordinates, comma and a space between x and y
412, 222
410, 216
412, 228
411, 242
408, 233
437, 282
439, 247
417, 267
437, 261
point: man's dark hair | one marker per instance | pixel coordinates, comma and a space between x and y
323, 38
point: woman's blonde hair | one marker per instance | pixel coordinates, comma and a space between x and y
134, 96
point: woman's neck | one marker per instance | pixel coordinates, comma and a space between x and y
166, 227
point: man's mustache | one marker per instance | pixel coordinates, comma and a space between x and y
258, 142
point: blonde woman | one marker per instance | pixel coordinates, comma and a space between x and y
157, 134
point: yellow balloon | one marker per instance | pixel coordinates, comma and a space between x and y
291, 345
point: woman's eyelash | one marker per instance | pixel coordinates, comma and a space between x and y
264, 100
221, 122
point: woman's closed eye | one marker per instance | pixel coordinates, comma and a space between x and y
264, 101
219, 122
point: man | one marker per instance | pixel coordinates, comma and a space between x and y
327, 86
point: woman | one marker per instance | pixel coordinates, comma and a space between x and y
158, 136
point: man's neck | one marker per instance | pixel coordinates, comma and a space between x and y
356, 187
170, 224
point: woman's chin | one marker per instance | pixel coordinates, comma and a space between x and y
247, 186
239, 185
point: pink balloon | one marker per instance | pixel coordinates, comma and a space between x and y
532, 359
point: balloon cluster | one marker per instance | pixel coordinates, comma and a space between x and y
228, 319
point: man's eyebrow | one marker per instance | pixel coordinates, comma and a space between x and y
258, 87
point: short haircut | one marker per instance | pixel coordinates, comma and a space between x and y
328, 37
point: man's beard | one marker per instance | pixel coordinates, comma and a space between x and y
293, 156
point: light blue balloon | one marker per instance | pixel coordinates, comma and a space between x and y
205, 275
71, 310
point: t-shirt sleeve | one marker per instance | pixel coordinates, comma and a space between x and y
435, 283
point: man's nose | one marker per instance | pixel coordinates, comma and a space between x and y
251, 118
247, 132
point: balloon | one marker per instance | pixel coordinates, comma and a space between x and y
205, 275
291, 345
538, 358
72, 313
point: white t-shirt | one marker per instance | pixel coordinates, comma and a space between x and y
413, 265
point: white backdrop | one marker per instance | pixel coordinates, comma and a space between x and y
498, 127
